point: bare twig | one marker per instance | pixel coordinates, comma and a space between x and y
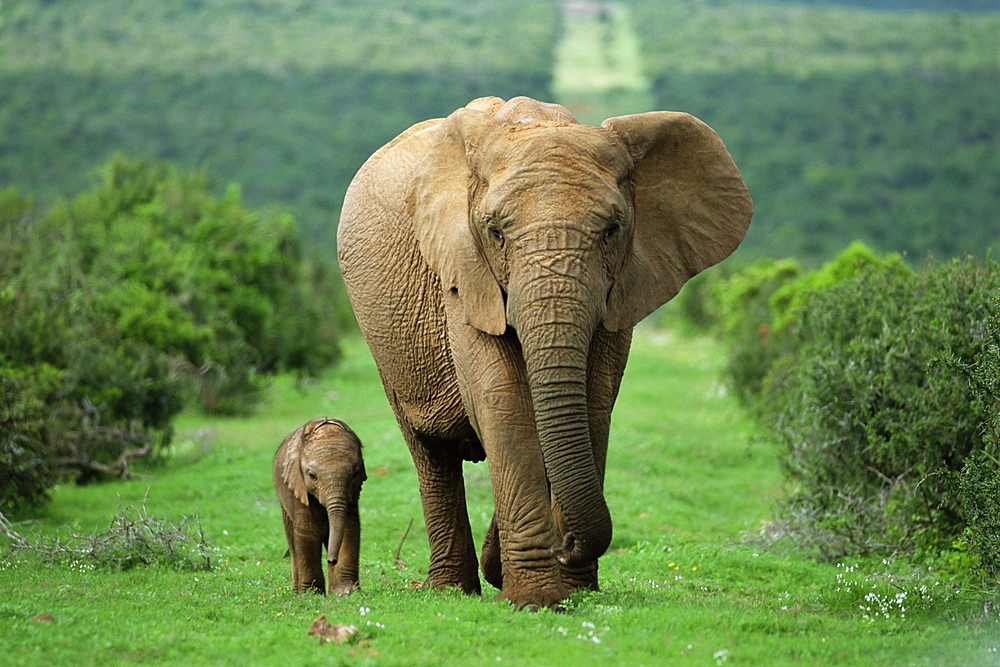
399, 563
8, 529
133, 538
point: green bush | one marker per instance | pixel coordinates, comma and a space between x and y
759, 305
118, 304
80, 397
979, 480
744, 303
875, 431
227, 292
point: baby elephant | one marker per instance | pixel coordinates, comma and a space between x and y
318, 473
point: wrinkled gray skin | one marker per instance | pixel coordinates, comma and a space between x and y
318, 472
497, 261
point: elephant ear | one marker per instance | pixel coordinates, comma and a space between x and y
439, 206
691, 210
291, 470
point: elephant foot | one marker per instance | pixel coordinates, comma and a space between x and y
452, 578
582, 577
344, 588
534, 599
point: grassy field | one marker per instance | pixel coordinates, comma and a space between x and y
687, 475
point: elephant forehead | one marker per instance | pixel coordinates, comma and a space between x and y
551, 176
564, 153
326, 445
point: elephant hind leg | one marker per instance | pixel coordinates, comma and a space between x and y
290, 537
442, 494
490, 561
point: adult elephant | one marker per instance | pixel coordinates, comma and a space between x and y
497, 261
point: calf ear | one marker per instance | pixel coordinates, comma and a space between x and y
439, 206
291, 470
692, 209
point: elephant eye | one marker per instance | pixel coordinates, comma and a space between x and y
612, 230
311, 475
495, 233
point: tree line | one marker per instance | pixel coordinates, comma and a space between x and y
848, 124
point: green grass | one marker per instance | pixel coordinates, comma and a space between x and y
687, 473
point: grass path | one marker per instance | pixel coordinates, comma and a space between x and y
598, 72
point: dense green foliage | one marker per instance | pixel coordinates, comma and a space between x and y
878, 381
286, 97
114, 301
979, 480
847, 123
875, 429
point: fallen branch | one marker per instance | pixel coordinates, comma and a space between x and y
119, 468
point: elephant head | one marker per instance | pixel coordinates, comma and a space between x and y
553, 229
318, 472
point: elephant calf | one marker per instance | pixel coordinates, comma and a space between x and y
318, 472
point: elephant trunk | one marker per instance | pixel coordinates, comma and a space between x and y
555, 326
336, 513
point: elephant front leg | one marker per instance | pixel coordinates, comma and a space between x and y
530, 574
307, 556
521, 546
442, 495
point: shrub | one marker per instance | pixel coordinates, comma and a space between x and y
226, 292
761, 303
744, 304
979, 480
116, 305
874, 430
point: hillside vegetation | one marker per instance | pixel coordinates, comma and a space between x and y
847, 123
286, 97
